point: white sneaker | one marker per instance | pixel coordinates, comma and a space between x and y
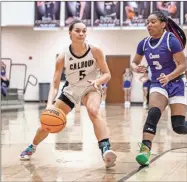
128, 104
27, 153
109, 158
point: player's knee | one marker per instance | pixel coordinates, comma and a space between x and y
93, 111
153, 117
179, 124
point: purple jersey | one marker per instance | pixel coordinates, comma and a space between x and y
159, 53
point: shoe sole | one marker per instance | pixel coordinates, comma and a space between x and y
109, 158
25, 158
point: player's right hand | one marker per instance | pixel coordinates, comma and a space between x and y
141, 69
94, 83
50, 106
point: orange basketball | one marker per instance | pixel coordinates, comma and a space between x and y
53, 120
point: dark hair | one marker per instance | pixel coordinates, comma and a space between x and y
171, 26
71, 26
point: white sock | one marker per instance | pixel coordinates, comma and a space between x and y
34, 146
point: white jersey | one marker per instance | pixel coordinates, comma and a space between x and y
79, 70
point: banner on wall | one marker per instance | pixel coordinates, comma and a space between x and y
106, 14
169, 8
47, 15
135, 13
185, 13
78, 10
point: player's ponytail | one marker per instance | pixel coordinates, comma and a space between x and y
171, 26
177, 31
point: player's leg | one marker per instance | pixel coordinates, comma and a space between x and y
92, 103
104, 93
62, 103
145, 91
178, 103
158, 102
129, 96
125, 94
103, 103
126, 86
148, 93
178, 122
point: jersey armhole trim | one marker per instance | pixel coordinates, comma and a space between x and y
168, 42
145, 40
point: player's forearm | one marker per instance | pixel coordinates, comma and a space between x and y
134, 66
52, 95
104, 78
177, 72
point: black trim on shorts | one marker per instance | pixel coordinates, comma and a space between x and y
79, 57
65, 85
63, 98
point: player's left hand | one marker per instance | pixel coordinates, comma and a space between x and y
94, 83
163, 79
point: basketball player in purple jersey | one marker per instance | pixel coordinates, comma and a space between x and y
164, 53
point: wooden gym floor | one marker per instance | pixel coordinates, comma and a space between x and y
73, 154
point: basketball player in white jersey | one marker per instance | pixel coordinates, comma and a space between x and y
82, 63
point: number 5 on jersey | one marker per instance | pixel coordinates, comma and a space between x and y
157, 65
82, 74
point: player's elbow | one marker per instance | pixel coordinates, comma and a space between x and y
108, 76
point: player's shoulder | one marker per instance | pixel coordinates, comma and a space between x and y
144, 40
61, 53
95, 48
142, 43
64, 50
172, 38
171, 35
